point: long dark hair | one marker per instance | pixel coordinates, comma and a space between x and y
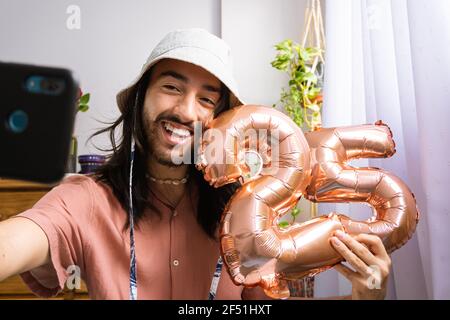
116, 170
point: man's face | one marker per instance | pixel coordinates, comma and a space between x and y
179, 95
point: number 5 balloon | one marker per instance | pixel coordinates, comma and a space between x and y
255, 249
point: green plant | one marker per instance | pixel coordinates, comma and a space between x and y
83, 100
294, 213
303, 100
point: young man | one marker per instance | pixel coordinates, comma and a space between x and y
85, 223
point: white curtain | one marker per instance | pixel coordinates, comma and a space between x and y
390, 60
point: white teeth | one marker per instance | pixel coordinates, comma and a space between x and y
183, 133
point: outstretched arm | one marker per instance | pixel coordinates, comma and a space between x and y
23, 246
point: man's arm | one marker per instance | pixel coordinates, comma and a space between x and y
23, 246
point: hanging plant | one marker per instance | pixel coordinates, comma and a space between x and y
303, 99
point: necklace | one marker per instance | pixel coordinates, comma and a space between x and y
167, 203
175, 182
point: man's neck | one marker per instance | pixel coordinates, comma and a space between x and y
160, 171
171, 193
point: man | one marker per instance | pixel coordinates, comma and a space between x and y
90, 224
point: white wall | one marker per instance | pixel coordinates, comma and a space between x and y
115, 38
252, 28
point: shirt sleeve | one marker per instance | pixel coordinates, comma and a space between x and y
63, 214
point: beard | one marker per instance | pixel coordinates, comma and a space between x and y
162, 154
159, 151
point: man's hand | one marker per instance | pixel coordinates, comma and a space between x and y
367, 255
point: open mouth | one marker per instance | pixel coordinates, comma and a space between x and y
175, 133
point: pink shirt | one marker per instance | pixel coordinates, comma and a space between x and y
84, 225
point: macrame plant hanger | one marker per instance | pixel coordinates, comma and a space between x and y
314, 33
314, 36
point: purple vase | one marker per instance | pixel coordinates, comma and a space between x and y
90, 162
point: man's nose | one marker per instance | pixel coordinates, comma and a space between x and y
186, 109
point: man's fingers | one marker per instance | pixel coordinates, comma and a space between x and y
357, 248
374, 243
377, 247
345, 271
349, 256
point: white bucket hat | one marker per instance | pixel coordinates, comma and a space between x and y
196, 46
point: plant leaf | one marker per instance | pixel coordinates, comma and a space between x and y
83, 107
85, 98
283, 224
285, 45
304, 55
281, 64
309, 76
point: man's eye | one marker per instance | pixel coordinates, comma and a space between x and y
170, 87
209, 101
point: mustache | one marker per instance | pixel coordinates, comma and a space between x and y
175, 119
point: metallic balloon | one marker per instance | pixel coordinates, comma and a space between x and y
255, 249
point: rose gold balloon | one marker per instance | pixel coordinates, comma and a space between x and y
255, 250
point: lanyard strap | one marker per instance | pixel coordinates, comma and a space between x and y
133, 271
215, 280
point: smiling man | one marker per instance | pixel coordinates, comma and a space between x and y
161, 243
168, 121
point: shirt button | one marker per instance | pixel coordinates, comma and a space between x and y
176, 262
175, 213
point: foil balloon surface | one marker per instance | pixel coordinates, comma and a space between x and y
288, 164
